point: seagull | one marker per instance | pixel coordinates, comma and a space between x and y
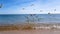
32, 5
0, 5
41, 10
23, 8
54, 9
48, 13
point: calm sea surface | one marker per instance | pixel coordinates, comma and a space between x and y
21, 18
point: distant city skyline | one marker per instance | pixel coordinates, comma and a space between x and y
30, 6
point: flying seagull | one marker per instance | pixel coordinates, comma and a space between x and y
0, 5
49, 13
32, 5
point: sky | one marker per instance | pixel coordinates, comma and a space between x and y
30, 6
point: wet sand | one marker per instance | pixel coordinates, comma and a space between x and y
31, 32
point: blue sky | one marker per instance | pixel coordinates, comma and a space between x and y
16, 6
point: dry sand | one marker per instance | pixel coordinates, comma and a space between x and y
31, 32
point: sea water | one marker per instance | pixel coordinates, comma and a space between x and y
22, 18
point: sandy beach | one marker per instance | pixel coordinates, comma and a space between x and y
30, 32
